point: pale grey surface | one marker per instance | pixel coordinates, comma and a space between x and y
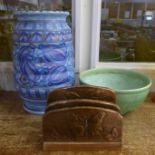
6, 76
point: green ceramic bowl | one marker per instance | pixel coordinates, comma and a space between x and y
131, 87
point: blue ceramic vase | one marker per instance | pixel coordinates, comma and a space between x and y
43, 56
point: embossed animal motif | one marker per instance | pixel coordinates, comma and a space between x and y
94, 124
90, 127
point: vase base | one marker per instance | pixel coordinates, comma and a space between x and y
33, 109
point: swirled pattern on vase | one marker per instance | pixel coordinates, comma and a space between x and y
43, 57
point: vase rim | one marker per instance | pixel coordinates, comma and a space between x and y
41, 12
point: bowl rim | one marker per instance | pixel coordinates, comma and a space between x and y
90, 71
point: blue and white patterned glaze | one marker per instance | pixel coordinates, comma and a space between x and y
43, 56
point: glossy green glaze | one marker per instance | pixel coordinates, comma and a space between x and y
131, 87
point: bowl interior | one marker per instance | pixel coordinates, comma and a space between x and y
117, 79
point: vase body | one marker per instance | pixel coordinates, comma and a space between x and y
43, 56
